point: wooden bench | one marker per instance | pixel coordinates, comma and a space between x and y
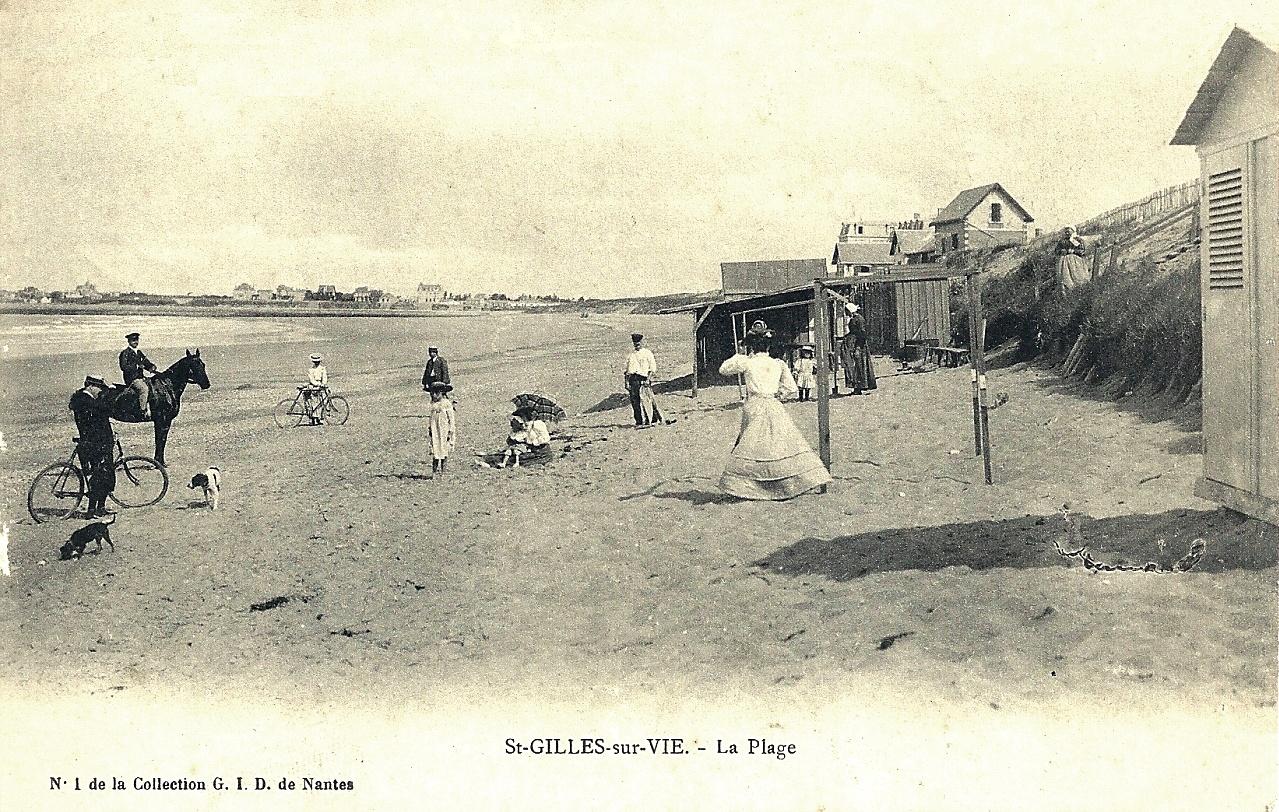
947, 356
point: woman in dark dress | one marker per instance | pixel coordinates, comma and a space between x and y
859, 369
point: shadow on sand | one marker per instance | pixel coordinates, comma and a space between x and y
1234, 543
617, 400
699, 497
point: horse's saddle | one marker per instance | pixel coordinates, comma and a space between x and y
124, 402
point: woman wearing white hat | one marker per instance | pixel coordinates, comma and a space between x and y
771, 459
318, 381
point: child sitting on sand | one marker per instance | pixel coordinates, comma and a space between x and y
528, 436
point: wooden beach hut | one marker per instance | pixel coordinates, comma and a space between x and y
907, 304
1233, 123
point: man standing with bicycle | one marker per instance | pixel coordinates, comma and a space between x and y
92, 411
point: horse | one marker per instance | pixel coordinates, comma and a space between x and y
165, 399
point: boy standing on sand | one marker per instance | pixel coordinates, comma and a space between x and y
436, 370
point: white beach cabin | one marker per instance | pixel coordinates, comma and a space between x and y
1233, 123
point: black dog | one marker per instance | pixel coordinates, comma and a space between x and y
97, 531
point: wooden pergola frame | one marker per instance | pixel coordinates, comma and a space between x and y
822, 316
823, 334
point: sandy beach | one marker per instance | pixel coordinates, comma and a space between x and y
912, 630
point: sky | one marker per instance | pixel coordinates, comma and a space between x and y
570, 148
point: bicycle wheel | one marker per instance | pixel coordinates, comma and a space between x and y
286, 416
56, 492
336, 410
139, 482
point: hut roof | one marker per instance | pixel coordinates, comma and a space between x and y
1233, 51
913, 241
895, 274
857, 253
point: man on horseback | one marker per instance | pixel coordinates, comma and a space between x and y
92, 410
132, 364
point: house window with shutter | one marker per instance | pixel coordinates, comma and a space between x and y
1225, 230
996, 213
954, 242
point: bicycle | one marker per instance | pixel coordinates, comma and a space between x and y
57, 491
324, 407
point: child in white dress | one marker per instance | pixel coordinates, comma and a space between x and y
805, 373
440, 427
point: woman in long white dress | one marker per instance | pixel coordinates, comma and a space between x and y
771, 459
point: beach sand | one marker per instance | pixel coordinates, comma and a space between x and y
912, 630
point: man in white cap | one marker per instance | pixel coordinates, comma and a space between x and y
318, 381
132, 364
92, 411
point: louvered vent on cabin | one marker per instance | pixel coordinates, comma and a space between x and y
1225, 230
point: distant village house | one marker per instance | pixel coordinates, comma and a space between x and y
981, 217
86, 291
428, 294
862, 248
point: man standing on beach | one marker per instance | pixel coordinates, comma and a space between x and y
132, 363
437, 369
92, 411
641, 367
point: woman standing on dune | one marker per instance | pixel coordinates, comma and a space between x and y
771, 459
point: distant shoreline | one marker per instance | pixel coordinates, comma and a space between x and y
111, 309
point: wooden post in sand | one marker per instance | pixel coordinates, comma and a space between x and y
737, 347
977, 345
972, 359
696, 327
821, 340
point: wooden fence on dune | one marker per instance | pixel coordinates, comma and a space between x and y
1152, 206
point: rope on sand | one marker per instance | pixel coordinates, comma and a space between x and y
1184, 564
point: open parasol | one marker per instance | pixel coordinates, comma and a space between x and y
542, 404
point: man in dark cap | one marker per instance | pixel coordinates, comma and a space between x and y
641, 367
92, 411
132, 364
436, 371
